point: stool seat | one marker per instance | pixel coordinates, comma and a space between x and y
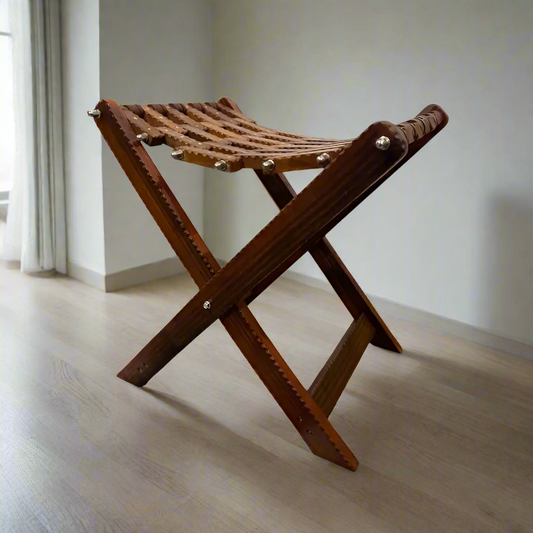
219, 135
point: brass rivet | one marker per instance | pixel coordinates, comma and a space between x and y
383, 143
323, 160
269, 165
221, 165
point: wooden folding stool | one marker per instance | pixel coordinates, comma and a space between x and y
219, 135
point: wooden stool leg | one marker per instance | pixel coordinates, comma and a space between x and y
294, 400
334, 376
333, 268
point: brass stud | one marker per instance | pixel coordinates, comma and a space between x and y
207, 305
383, 143
269, 165
95, 113
142, 136
323, 160
221, 165
178, 154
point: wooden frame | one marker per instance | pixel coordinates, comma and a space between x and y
300, 227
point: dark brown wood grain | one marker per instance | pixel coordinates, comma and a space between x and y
356, 169
333, 268
327, 197
293, 398
334, 376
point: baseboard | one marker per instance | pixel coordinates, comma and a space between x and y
86, 275
436, 322
143, 274
125, 278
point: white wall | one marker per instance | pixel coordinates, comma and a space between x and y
451, 232
151, 52
83, 148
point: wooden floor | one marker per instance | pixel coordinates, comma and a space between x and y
444, 432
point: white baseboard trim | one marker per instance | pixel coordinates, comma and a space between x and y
86, 275
143, 274
125, 278
436, 322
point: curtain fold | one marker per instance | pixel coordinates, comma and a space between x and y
36, 228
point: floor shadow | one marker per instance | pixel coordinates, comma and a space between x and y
217, 438
250, 463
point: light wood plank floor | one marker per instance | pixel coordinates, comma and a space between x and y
444, 432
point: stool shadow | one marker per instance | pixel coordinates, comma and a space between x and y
215, 439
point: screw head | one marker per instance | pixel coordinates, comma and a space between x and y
207, 304
269, 165
323, 160
142, 136
95, 113
178, 154
383, 143
221, 165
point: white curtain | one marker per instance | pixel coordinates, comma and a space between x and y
35, 229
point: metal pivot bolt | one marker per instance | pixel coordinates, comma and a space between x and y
207, 304
221, 165
323, 160
269, 165
142, 136
383, 143
95, 113
178, 154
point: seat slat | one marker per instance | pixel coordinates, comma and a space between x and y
219, 130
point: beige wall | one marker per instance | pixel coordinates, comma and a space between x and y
451, 232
